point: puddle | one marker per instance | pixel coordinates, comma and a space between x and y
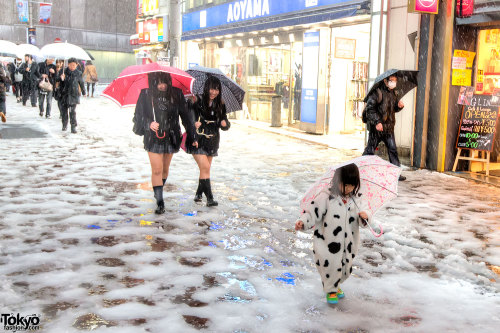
91, 321
110, 262
50, 310
196, 322
11, 131
407, 321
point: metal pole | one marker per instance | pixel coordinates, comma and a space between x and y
175, 32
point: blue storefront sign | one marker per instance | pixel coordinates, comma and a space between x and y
246, 10
309, 97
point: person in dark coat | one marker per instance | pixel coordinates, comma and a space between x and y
4, 81
381, 107
16, 77
210, 114
57, 93
70, 81
157, 118
47, 71
30, 80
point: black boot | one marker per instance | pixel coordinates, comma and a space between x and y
199, 192
207, 189
159, 199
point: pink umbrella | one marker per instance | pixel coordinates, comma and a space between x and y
379, 183
125, 89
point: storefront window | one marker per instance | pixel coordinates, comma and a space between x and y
488, 62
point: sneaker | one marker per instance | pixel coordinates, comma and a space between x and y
332, 298
401, 178
340, 293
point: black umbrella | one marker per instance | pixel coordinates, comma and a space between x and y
407, 80
232, 94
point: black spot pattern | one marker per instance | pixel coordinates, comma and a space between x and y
327, 276
317, 262
350, 270
336, 216
334, 247
326, 225
353, 255
312, 202
326, 211
340, 204
326, 263
360, 194
349, 209
337, 230
336, 283
351, 219
317, 234
349, 246
339, 270
345, 235
316, 212
314, 252
347, 260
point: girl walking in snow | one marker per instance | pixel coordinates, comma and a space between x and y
157, 118
334, 214
210, 115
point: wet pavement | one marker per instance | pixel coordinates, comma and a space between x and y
81, 247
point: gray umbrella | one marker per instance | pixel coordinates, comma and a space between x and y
407, 80
232, 93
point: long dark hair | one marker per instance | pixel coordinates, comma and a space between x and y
213, 82
346, 175
160, 77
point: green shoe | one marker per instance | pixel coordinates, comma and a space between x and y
331, 298
340, 293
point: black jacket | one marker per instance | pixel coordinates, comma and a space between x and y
43, 68
13, 70
383, 112
168, 119
70, 94
210, 124
4, 80
31, 77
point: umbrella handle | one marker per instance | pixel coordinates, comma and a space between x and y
373, 231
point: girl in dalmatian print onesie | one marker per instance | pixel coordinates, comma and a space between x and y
334, 214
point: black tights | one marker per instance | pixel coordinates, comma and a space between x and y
93, 86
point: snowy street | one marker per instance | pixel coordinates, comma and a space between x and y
81, 247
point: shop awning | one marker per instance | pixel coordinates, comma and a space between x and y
353, 8
484, 12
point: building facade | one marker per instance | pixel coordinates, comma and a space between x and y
103, 28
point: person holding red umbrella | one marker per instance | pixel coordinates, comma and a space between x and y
157, 118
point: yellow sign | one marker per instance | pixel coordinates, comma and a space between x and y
160, 29
465, 54
149, 6
480, 76
461, 77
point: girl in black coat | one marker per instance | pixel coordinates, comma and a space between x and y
210, 114
157, 118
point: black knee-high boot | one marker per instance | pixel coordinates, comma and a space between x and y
199, 192
207, 189
159, 199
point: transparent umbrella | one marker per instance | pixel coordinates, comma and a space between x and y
29, 49
64, 51
8, 49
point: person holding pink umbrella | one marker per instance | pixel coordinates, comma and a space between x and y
335, 214
157, 118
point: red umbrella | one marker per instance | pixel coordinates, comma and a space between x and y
125, 89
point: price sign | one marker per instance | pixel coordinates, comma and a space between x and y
461, 77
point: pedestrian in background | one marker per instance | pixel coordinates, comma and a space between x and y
47, 72
335, 215
71, 82
4, 81
90, 74
157, 118
29, 69
381, 107
209, 112
16, 78
58, 87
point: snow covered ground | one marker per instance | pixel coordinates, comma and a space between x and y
81, 247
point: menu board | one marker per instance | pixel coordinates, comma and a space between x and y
478, 124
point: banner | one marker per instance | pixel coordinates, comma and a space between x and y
32, 36
45, 10
23, 11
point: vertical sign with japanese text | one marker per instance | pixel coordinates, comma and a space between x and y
309, 96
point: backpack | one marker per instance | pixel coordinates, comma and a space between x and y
379, 100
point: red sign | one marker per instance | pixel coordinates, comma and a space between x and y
465, 8
423, 6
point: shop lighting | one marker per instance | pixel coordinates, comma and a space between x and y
219, 37
286, 28
276, 39
227, 43
240, 34
239, 42
250, 42
254, 32
291, 37
270, 30
263, 40
228, 36
207, 39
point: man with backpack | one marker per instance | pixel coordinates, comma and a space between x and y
380, 116
16, 77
